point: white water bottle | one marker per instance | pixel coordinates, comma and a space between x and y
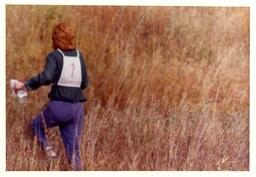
21, 94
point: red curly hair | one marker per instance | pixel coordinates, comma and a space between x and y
62, 37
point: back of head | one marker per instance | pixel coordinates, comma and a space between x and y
63, 37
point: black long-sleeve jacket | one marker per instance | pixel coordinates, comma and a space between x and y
51, 76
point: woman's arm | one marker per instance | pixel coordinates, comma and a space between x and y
85, 80
45, 77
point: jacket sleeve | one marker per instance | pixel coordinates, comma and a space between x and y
85, 80
45, 77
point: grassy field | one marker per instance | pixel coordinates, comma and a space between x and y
169, 86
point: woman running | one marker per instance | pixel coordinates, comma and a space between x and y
65, 71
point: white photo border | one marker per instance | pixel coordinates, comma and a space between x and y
252, 77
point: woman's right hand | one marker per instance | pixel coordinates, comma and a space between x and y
19, 86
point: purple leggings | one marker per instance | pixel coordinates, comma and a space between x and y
69, 118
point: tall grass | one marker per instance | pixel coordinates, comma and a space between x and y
169, 86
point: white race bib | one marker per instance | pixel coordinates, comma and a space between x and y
71, 74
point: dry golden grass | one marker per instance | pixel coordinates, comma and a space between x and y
169, 86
